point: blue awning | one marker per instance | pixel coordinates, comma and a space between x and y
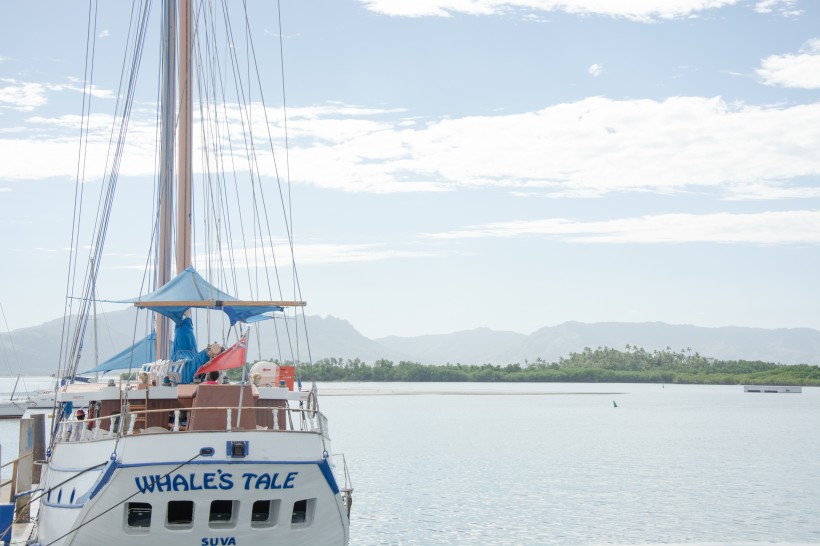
189, 289
145, 350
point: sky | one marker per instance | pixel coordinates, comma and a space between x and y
456, 164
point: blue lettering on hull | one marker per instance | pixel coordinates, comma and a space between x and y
162, 483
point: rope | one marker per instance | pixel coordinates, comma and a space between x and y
104, 512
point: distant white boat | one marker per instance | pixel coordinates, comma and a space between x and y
771, 388
42, 399
45, 398
13, 409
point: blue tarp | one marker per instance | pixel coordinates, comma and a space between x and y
185, 349
145, 350
191, 286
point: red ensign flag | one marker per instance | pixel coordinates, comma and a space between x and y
233, 357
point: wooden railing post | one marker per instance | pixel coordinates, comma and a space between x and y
39, 431
22, 478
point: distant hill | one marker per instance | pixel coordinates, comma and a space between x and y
783, 346
36, 350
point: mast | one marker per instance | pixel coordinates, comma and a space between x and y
173, 53
184, 197
168, 114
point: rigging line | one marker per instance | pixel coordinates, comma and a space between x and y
287, 168
246, 129
211, 179
220, 165
152, 238
296, 288
242, 108
106, 197
253, 157
211, 138
78, 191
108, 203
44, 492
194, 54
104, 512
254, 168
216, 200
86, 287
83, 314
288, 223
13, 346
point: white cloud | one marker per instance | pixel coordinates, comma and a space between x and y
643, 10
340, 253
318, 254
766, 228
5, 190
587, 148
22, 96
595, 70
26, 96
786, 8
800, 71
104, 34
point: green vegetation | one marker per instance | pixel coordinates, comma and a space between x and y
601, 365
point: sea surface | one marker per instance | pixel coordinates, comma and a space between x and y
480, 463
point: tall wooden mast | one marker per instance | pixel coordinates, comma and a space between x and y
166, 206
184, 197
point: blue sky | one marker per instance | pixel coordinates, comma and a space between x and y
466, 163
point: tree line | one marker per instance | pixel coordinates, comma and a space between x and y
601, 365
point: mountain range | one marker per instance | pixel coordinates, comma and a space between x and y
36, 350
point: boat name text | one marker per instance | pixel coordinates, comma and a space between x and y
213, 480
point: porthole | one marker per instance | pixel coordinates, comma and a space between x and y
180, 514
265, 513
302, 514
138, 515
222, 513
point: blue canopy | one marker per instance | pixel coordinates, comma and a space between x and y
145, 350
190, 289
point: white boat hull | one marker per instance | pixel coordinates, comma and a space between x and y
91, 507
13, 410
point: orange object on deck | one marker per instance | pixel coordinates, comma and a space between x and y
286, 374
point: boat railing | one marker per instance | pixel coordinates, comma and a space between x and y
346, 488
100, 428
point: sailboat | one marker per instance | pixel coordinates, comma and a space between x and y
11, 408
14, 409
158, 455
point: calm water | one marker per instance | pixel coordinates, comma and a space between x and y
672, 464
509, 464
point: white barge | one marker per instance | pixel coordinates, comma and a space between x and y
771, 388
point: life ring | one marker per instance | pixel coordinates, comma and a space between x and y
311, 406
